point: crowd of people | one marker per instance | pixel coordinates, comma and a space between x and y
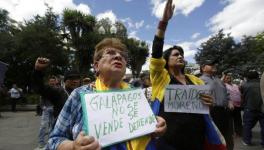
62, 115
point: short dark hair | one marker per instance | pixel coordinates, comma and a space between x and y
52, 77
209, 62
72, 74
143, 75
252, 74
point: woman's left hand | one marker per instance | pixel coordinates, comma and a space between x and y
161, 127
206, 99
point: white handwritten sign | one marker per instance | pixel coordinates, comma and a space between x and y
185, 98
112, 117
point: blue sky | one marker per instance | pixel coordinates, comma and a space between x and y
194, 21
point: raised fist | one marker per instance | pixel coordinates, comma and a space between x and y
42, 63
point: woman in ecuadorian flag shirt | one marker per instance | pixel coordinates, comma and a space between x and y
185, 131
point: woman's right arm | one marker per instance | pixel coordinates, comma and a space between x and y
158, 74
159, 37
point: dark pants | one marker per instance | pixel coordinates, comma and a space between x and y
184, 132
250, 118
223, 120
13, 104
162, 144
237, 120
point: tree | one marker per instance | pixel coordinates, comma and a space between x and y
252, 48
221, 48
37, 37
7, 42
260, 51
238, 57
7, 30
137, 54
4, 20
104, 25
121, 30
81, 36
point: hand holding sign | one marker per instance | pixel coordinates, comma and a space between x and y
206, 99
86, 142
117, 116
161, 127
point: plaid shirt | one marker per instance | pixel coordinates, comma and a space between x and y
70, 122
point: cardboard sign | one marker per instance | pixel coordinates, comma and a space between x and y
115, 116
185, 99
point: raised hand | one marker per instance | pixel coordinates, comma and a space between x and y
167, 14
168, 11
42, 63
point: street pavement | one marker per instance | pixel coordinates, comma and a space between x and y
19, 131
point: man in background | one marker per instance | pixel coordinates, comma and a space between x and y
253, 107
222, 105
15, 95
53, 94
57, 96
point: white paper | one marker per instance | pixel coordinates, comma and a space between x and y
185, 99
117, 116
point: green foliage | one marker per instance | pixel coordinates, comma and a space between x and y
81, 37
4, 20
68, 44
219, 47
137, 54
37, 37
106, 24
121, 30
253, 52
239, 57
32, 99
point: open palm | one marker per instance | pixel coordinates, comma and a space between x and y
168, 11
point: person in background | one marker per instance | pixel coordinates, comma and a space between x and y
186, 131
110, 60
38, 108
47, 118
57, 96
146, 85
126, 79
235, 97
222, 106
72, 80
15, 95
86, 81
136, 83
253, 107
